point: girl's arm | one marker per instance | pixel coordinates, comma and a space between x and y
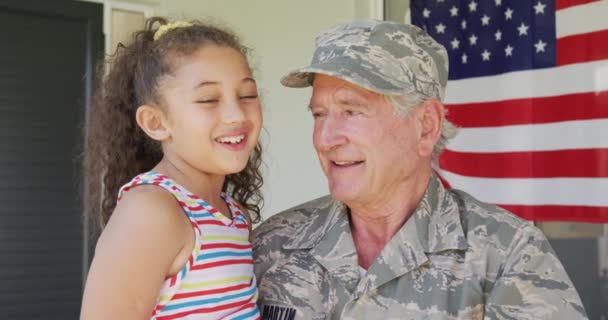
135, 253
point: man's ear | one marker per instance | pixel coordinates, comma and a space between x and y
430, 117
153, 122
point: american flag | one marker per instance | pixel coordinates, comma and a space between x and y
528, 86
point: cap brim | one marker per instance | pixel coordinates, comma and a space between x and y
353, 73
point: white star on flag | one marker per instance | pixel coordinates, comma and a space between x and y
540, 46
485, 20
539, 8
440, 28
498, 35
523, 29
473, 6
426, 13
473, 39
485, 55
454, 11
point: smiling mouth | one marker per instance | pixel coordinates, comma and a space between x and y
231, 139
345, 163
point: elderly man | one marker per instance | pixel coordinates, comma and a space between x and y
391, 242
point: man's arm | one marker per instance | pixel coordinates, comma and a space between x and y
533, 283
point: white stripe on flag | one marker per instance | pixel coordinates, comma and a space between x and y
545, 191
574, 78
585, 18
582, 134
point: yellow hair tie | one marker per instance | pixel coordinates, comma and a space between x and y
170, 26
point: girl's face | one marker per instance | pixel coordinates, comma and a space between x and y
213, 111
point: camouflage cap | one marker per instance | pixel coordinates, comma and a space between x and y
385, 57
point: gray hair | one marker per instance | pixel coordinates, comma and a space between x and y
405, 104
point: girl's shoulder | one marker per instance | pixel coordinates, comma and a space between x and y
150, 209
148, 205
142, 242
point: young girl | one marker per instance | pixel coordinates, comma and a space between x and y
178, 111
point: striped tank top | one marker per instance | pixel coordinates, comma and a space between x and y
218, 281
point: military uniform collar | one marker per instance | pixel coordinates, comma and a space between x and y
437, 221
434, 226
330, 242
324, 213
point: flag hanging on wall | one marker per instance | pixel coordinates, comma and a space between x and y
528, 87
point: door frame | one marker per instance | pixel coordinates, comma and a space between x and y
94, 49
108, 6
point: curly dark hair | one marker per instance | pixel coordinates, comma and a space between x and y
116, 148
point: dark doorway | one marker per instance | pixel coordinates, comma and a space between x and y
48, 51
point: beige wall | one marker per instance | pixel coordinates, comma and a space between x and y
282, 34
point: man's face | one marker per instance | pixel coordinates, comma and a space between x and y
366, 150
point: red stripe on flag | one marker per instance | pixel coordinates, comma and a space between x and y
578, 106
592, 163
562, 4
560, 213
583, 47
444, 182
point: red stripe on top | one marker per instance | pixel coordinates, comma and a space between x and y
191, 208
562, 4
211, 291
247, 306
579, 106
591, 163
583, 47
225, 245
221, 263
207, 310
220, 223
560, 213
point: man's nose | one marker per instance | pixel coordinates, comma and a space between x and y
329, 133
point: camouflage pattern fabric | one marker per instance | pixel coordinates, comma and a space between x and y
381, 56
454, 258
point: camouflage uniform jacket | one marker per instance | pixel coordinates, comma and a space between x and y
455, 258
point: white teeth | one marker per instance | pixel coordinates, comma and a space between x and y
233, 139
343, 163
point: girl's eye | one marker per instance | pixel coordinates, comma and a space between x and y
251, 97
208, 101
